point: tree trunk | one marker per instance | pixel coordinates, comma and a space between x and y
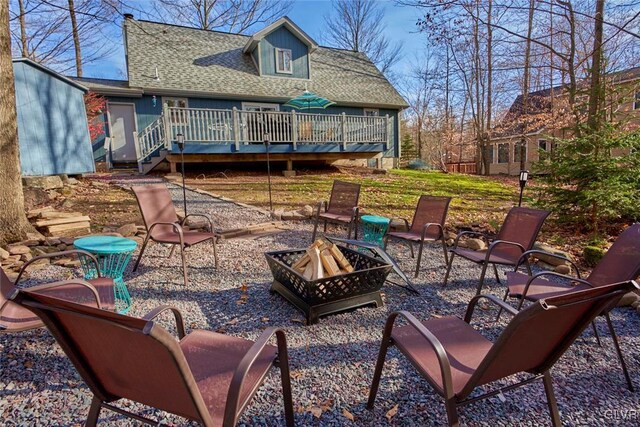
596, 91
489, 84
526, 84
13, 221
23, 30
76, 38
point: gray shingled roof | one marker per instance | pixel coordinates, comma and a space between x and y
201, 62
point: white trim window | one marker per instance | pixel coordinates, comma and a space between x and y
284, 61
260, 106
519, 149
503, 153
371, 112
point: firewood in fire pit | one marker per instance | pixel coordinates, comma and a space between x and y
322, 259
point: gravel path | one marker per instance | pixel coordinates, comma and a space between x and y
332, 362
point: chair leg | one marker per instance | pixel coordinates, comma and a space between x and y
452, 412
551, 399
215, 252
173, 249
411, 248
419, 257
385, 241
446, 252
315, 230
184, 264
377, 373
617, 346
495, 270
94, 411
446, 276
325, 226
595, 332
283, 361
481, 282
144, 245
349, 230
506, 294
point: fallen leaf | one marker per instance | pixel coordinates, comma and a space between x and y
265, 319
326, 405
316, 411
295, 375
348, 415
295, 320
392, 412
232, 321
244, 288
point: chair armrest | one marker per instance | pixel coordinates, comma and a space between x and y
525, 257
432, 224
176, 314
320, 204
434, 343
176, 227
90, 256
233, 396
80, 282
463, 233
554, 274
184, 220
474, 301
495, 243
356, 213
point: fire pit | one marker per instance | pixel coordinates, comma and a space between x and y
328, 295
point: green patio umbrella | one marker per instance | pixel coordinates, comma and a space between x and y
308, 100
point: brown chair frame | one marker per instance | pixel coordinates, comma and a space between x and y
51, 286
440, 226
581, 284
495, 244
539, 370
177, 228
45, 307
352, 222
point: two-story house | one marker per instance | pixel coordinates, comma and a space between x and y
226, 93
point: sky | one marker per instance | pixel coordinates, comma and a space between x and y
308, 15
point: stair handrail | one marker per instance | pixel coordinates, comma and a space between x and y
151, 138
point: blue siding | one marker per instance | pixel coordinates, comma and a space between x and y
52, 124
284, 39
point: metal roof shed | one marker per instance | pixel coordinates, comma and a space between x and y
52, 122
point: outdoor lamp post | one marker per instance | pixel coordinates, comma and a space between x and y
266, 146
180, 143
524, 177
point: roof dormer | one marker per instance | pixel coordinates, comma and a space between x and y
281, 49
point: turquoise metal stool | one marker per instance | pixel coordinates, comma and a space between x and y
374, 228
113, 255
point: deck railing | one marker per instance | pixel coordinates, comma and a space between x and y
210, 126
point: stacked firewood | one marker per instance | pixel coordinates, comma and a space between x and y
322, 259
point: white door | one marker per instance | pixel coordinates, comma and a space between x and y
122, 124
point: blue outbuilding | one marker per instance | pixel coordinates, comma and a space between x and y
52, 122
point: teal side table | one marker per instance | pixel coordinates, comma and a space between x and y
113, 253
374, 228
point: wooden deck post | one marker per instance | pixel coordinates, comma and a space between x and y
136, 144
294, 130
236, 129
168, 134
343, 116
388, 139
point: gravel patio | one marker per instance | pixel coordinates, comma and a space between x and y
332, 362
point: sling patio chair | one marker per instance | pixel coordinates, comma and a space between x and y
342, 208
456, 359
427, 225
517, 235
203, 376
97, 292
621, 262
162, 224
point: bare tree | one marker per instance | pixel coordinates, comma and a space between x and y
358, 25
226, 15
13, 221
76, 37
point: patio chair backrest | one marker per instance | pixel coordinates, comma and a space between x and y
621, 262
155, 205
344, 197
430, 209
522, 226
539, 334
120, 356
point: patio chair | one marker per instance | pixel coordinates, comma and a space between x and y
342, 208
621, 262
427, 225
96, 292
203, 376
517, 235
456, 359
162, 224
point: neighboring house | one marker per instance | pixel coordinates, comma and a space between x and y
52, 122
622, 105
225, 93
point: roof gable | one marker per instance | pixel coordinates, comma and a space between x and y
49, 71
282, 22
